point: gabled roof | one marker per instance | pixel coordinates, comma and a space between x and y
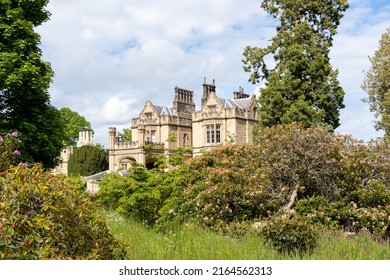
163, 110
243, 103
166, 111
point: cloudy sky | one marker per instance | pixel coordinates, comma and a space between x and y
109, 57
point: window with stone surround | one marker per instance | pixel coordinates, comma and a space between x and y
213, 134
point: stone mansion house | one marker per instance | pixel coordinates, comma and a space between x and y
218, 122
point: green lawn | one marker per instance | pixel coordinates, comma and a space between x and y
193, 243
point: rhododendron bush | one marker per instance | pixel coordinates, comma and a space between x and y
43, 216
9, 153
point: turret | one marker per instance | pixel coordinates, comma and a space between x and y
112, 136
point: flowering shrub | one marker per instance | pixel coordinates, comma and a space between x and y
43, 217
348, 216
225, 186
9, 153
289, 234
338, 181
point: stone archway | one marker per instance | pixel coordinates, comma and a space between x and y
126, 162
149, 163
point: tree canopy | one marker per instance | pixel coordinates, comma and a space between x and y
73, 124
24, 82
377, 84
302, 87
126, 135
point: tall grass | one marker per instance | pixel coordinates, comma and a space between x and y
193, 243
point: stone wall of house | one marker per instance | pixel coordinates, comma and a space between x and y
233, 119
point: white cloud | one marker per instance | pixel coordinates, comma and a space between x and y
109, 57
115, 109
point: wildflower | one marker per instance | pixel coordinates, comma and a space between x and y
17, 152
14, 134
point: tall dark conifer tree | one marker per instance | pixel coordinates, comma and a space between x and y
302, 87
24, 82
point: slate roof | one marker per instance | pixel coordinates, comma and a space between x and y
99, 176
163, 110
243, 103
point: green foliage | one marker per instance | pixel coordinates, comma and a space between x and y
139, 194
9, 153
77, 182
302, 87
179, 156
24, 83
225, 186
73, 124
290, 234
340, 182
112, 188
43, 217
347, 216
126, 135
190, 242
376, 84
172, 138
87, 160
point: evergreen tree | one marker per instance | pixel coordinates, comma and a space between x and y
24, 81
377, 84
87, 160
302, 87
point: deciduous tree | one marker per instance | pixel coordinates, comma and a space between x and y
377, 84
24, 81
73, 124
126, 135
302, 87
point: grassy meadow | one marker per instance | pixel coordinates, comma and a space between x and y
193, 243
